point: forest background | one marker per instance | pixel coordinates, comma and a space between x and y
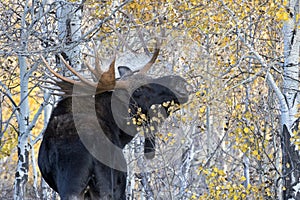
237, 138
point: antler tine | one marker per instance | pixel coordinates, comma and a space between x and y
118, 84
57, 74
152, 60
90, 83
97, 64
88, 65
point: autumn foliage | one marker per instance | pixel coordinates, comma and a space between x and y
226, 142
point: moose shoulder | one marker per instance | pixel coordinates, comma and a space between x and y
66, 162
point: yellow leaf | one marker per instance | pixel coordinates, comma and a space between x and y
143, 116
166, 104
283, 188
255, 152
193, 196
198, 93
170, 134
246, 130
202, 109
282, 15
243, 178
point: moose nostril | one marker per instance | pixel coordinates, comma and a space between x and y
189, 88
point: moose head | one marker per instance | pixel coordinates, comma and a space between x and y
80, 155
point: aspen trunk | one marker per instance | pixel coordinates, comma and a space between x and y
23, 145
290, 152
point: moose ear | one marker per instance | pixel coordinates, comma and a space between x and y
124, 71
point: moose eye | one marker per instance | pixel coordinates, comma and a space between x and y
143, 88
138, 90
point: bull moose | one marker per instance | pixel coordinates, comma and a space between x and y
92, 120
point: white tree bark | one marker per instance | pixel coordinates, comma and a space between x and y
69, 27
291, 156
291, 38
23, 146
186, 165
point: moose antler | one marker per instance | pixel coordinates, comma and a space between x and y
151, 62
155, 54
97, 71
106, 80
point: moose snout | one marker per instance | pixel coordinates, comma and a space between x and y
189, 88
